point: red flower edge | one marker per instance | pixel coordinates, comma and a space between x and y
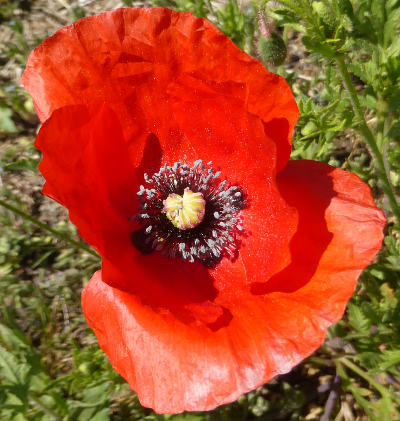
186, 337
114, 57
274, 326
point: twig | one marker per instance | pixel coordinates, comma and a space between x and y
331, 401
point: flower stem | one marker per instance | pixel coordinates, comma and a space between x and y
47, 228
387, 404
364, 375
368, 136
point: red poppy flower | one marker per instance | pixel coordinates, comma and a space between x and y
215, 276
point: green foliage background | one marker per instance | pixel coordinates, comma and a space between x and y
343, 63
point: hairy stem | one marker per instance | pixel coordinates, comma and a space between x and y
369, 137
381, 389
47, 228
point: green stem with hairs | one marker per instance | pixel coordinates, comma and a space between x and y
346, 362
388, 405
45, 227
369, 137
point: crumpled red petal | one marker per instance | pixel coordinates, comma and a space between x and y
91, 170
133, 55
175, 366
87, 169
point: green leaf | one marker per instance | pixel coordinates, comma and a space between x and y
6, 123
391, 359
13, 338
357, 318
326, 16
394, 131
394, 48
391, 26
368, 101
317, 47
309, 128
10, 369
369, 359
23, 164
187, 417
102, 415
285, 18
97, 394
361, 401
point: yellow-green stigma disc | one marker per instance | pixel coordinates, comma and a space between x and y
185, 211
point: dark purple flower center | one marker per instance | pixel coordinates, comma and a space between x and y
179, 191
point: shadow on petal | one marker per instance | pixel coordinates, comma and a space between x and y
278, 130
311, 197
171, 286
152, 157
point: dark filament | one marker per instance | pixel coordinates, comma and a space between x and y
210, 240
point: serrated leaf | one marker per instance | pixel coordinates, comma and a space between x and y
11, 369
391, 358
394, 49
369, 359
368, 101
361, 401
283, 17
317, 47
368, 47
365, 71
391, 26
357, 318
372, 71
12, 338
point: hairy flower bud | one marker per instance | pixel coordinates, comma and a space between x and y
272, 50
327, 18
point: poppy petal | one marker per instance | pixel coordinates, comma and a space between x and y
86, 167
94, 178
136, 53
339, 231
219, 129
272, 327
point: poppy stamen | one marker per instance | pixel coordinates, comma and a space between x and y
189, 212
185, 211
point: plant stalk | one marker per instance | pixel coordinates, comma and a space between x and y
381, 389
369, 137
45, 227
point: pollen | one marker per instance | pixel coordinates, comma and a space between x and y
187, 211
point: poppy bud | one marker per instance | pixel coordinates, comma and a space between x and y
327, 18
272, 49
346, 8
